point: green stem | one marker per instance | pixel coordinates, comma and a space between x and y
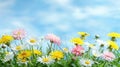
104, 64
33, 52
21, 41
50, 48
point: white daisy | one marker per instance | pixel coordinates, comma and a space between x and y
45, 60
101, 42
32, 41
65, 50
88, 45
86, 62
3, 46
96, 53
18, 47
8, 56
24, 61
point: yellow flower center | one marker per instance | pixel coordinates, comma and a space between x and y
18, 33
65, 49
91, 46
24, 54
45, 59
95, 54
32, 40
6, 53
18, 47
87, 62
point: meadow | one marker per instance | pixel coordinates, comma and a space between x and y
19, 50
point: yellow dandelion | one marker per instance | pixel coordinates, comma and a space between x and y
37, 52
83, 34
77, 41
114, 34
57, 54
5, 39
113, 45
0, 41
24, 54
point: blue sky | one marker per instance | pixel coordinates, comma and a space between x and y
62, 17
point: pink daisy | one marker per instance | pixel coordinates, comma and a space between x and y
19, 34
108, 56
53, 38
78, 50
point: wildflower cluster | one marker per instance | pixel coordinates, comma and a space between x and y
19, 50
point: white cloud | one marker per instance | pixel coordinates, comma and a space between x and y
5, 7
50, 17
114, 6
63, 27
97, 11
59, 2
114, 3
5, 31
86, 12
17, 24
6, 3
30, 29
78, 14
